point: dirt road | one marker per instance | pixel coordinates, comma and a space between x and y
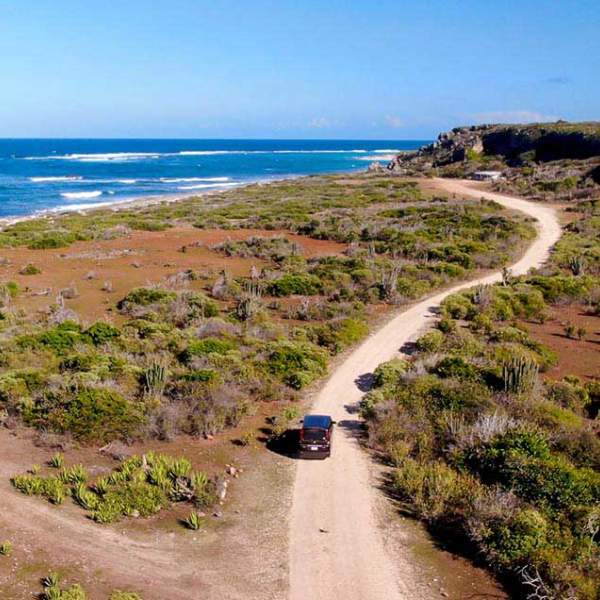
336, 550
336, 547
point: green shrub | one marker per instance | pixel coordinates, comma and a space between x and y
57, 461
30, 269
457, 367
295, 283
389, 372
458, 306
52, 240
514, 541
552, 482
489, 459
434, 490
296, 363
337, 335
206, 346
100, 333
146, 296
431, 341
94, 414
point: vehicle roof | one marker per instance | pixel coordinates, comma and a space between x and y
317, 421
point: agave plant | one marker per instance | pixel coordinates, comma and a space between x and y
194, 521
101, 486
199, 481
85, 497
76, 474
57, 461
6, 549
52, 580
55, 490
31, 485
179, 468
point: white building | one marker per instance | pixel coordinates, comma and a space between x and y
487, 175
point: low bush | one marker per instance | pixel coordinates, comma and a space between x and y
206, 346
100, 333
90, 414
430, 342
30, 269
339, 334
296, 363
292, 283
145, 297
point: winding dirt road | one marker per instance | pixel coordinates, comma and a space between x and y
336, 546
336, 549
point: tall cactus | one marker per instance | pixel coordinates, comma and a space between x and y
388, 280
155, 380
249, 304
519, 374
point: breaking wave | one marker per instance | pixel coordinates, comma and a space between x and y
186, 179
81, 195
51, 179
104, 157
202, 186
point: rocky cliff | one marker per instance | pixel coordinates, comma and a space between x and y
512, 144
554, 161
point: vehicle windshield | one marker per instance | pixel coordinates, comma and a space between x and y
313, 435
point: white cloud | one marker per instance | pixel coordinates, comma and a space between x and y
319, 123
394, 122
513, 116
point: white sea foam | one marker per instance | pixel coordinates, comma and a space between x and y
217, 152
386, 150
50, 179
81, 195
80, 206
373, 157
202, 186
134, 156
100, 157
187, 179
127, 181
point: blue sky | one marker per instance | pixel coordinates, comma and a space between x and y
375, 69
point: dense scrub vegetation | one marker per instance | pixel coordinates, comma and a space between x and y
488, 452
194, 353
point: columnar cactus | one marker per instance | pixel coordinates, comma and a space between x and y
155, 379
519, 374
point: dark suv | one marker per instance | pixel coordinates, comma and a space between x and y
315, 437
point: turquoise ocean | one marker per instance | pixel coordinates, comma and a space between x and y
38, 175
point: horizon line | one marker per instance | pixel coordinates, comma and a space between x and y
219, 139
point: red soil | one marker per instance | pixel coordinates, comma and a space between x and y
137, 260
575, 357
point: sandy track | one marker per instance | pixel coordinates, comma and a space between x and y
336, 548
347, 560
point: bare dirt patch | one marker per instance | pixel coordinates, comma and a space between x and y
575, 356
140, 259
237, 555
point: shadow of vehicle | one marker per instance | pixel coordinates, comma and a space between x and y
285, 444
